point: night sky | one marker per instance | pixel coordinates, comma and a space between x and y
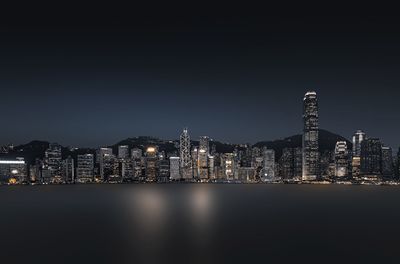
235, 77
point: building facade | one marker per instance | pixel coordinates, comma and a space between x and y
310, 137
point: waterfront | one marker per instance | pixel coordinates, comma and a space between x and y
199, 223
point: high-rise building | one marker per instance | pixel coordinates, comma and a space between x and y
68, 169
53, 162
202, 158
164, 173
35, 171
185, 159
341, 159
211, 165
387, 162
174, 164
398, 164
151, 164
371, 158
123, 152
85, 166
310, 137
127, 169
228, 166
204, 143
358, 137
268, 173
136, 153
291, 163
104, 158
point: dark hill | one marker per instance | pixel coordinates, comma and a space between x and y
35, 149
327, 141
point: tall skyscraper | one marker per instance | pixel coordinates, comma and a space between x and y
310, 137
174, 168
228, 166
341, 159
398, 164
387, 162
151, 164
291, 163
268, 165
104, 157
185, 159
123, 152
68, 170
85, 166
53, 163
163, 171
371, 158
204, 143
202, 157
358, 137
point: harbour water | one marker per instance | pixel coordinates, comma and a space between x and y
199, 223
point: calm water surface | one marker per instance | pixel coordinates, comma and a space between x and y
199, 223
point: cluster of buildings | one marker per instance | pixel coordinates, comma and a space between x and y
367, 160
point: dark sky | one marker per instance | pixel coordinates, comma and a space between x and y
237, 77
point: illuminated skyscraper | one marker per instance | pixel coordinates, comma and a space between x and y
68, 170
228, 166
387, 162
104, 158
202, 157
151, 164
53, 162
84, 171
174, 168
163, 171
204, 143
291, 163
371, 158
123, 152
310, 137
185, 159
341, 159
398, 164
358, 137
268, 165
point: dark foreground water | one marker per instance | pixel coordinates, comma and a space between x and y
199, 223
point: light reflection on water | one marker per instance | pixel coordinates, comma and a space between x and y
199, 223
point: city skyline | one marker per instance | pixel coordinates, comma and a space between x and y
199, 133
196, 134
325, 159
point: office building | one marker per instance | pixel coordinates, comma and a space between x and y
268, 172
310, 137
68, 170
387, 163
123, 152
174, 165
341, 159
371, 158
85, 167
185, 157
151, 164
